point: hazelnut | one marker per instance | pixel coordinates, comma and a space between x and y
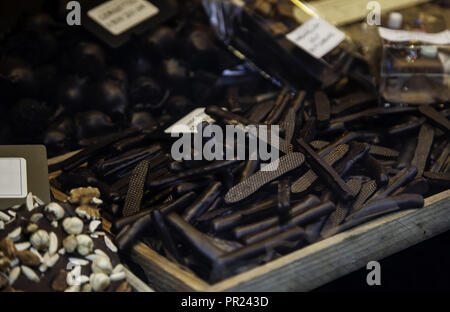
87, 212
70, 243
4, 263
54, 212
40, 239
101, 265
8, 248
99, 281
73, 225
85, 245
83, 195
28, 258
59, 283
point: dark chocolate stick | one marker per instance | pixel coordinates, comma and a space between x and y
439, 163
273, 171
236, 218
232, 97
280, 105
165, 209
297, 209
133, 201
324, 170
227, 117
305, 218
435, 117
260, 111
322, 108
194, 238
251, 166
406, 127
347, 138
129, 143
374, 112
367, 190
116, 164
165, 236
195, 172
203, 202
309, 130
308, 179
376, 170
417, 186
318, 144
424, 143
407, 153
352, 100
438, 179
378, 209
129, 237
87, 153
383, 151
292, 234
403, 177
403, 201
356, 153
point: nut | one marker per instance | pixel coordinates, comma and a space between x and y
36, 217
101, 265
40, 240
85, 245
70, 243
87, 212
59, 282
73, 225
99, 281
4, 263
83, 195
8, 248
31, 228
54, 212
28, 258
53, 244
86, 288
30, 274
15, 234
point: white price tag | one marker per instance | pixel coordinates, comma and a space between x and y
13, 178
189, 123
442, 38
317, 37
117, 16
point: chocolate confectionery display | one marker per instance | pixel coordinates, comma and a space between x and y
360, 130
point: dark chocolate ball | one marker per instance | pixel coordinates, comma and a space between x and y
72, 94
110, 98
145, 90
89, 59
92, 124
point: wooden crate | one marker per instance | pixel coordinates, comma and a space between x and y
316, 264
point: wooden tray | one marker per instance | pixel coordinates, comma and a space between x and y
314, 265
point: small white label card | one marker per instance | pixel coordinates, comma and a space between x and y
117, 16
317, 37
188, 124
13, 178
